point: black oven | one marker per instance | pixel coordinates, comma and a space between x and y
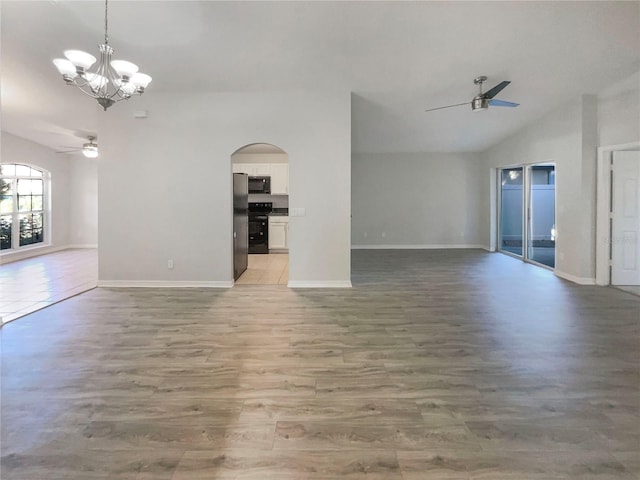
259, 184
259, 227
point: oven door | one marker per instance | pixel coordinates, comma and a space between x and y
258, 234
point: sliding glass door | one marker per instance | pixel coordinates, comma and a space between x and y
541, 231
511, 211
527, 213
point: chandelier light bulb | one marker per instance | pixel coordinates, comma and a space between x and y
80, 59
110, 80
141, 80
65, 67
124, 68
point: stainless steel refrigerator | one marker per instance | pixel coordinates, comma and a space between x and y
240, 223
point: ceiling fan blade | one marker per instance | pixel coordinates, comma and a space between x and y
70, 151
496, 90
447, 106
502, 103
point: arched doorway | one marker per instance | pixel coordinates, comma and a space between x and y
262, 258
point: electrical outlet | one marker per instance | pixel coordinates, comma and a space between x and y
170, 264
383, 234
365, 234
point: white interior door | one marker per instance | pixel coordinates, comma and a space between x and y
625, 234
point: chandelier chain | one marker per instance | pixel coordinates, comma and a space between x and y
106, 23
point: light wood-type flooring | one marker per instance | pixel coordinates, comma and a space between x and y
452, 364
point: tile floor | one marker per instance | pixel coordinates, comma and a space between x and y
34, 283
270, 269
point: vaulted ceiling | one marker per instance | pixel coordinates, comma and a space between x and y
397, 59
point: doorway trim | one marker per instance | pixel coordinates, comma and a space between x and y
603, 209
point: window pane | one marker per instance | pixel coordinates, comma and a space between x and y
6, 186
37, 236
542, 175
7, 169
6, 203
24, 203
25, 238
23, 171
5, 232
24, 195
511, 211
36, 220
36, 202
30, 229
542, 234
36, 187
24, 186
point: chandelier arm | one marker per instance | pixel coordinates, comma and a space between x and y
83, 87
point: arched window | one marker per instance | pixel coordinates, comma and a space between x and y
22, 206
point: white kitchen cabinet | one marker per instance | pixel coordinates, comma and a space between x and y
253, 169
279, 179
261, 169
278, 233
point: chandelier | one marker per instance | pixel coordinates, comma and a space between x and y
110, 82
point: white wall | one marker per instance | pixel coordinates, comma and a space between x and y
568, 138
83, 205
18, 150
417, 200
619, 113
165, 185
260, 158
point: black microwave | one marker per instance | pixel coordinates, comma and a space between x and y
259, 184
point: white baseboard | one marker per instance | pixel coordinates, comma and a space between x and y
320, 284
574, 279
414, 247
161, 284
87, 245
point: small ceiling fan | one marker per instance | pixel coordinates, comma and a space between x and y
483, 100
89, 150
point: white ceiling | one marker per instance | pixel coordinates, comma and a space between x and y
397, 58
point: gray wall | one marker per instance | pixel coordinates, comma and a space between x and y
566, 137
417, 200
165, 185
619, 113
83, 207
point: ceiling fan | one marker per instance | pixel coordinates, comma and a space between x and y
89, 150
483, 100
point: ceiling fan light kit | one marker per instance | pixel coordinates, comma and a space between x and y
111, 81
479, 104
483, 100
89, 150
